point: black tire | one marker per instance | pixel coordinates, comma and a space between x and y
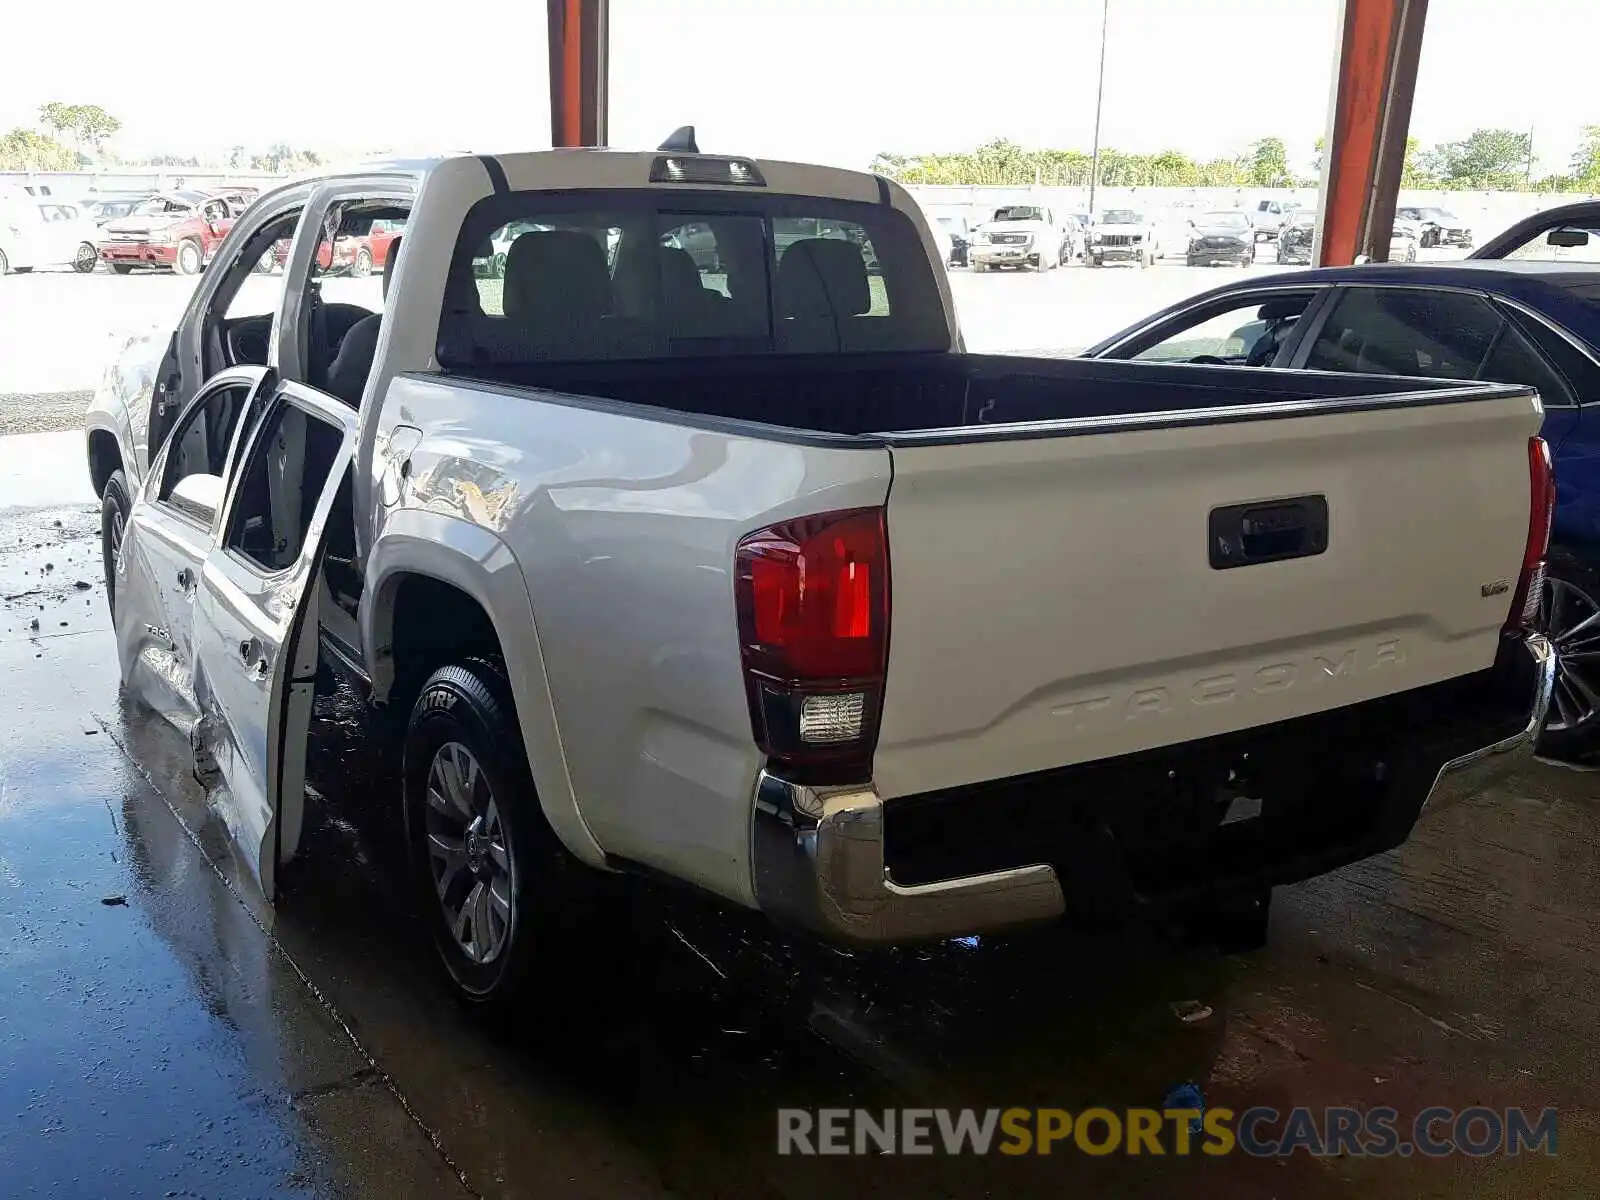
1572, 594
122, 268
82, 262
5, 264
468, 706
190, 258
114, 507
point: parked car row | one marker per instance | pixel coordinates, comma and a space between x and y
671, 548
177, 231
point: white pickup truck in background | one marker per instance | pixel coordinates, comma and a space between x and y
733, 567
1021, 235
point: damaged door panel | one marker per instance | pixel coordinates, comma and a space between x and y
170, 530
255, 624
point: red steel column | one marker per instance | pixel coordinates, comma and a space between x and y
1375, 79
579, 44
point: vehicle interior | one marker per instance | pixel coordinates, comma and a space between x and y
341, 337
1209, 337
339, 363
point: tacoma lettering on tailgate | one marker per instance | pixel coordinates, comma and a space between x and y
1227, 686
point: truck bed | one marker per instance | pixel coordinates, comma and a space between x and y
905, 393
1053, 600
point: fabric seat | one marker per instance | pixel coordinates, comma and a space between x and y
823, 277
347, 376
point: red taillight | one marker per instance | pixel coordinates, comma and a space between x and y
813, 603
1541, 514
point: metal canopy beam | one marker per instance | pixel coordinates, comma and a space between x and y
1375, 78
579, 45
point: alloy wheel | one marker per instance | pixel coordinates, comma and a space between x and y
1570, 618
469, 854
86, 259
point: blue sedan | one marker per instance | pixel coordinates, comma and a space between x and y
1535, 323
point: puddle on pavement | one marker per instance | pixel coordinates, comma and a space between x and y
51, 578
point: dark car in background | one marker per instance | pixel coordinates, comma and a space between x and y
1223, 238
960, 234
1532, 323
1297, 240
1297, 236
1435, 226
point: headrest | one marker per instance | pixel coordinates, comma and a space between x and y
388, 265
823, 277
554, 272
680, 278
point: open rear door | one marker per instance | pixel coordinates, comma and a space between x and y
255, 624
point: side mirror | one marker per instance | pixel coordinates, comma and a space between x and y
198, 495
1567, 239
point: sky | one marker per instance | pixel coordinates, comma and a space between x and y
830, 81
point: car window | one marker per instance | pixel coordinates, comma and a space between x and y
289, 462
535, 280
259, 293
201, 442
1406, 331
1250, 332
1515, 359
1581, 373
1564, 244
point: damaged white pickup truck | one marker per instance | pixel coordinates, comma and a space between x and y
693, 542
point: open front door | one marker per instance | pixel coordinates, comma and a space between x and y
255, 624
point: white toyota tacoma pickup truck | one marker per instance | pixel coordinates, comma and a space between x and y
735, 568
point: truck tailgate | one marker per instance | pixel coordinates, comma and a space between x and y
1054, 598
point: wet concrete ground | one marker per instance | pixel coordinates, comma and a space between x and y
164, 1033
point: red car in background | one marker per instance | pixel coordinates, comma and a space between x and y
179, 231
357, 254
361, 254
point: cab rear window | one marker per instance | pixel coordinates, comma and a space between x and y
538, 277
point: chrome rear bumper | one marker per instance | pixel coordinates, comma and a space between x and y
819, 865
1465, 777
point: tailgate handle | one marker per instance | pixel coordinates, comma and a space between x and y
1243, 535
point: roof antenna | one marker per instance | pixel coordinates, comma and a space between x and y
681, 140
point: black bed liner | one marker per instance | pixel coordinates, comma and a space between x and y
905, 392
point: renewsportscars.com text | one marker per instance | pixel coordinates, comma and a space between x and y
1261, 1132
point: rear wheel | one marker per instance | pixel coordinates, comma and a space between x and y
362, 267
114, 508
190, 258
1570, 618
487, 865
86, 259
5, 264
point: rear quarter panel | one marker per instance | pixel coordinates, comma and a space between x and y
624, 526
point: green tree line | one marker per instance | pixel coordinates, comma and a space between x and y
73, 136
1485, 160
